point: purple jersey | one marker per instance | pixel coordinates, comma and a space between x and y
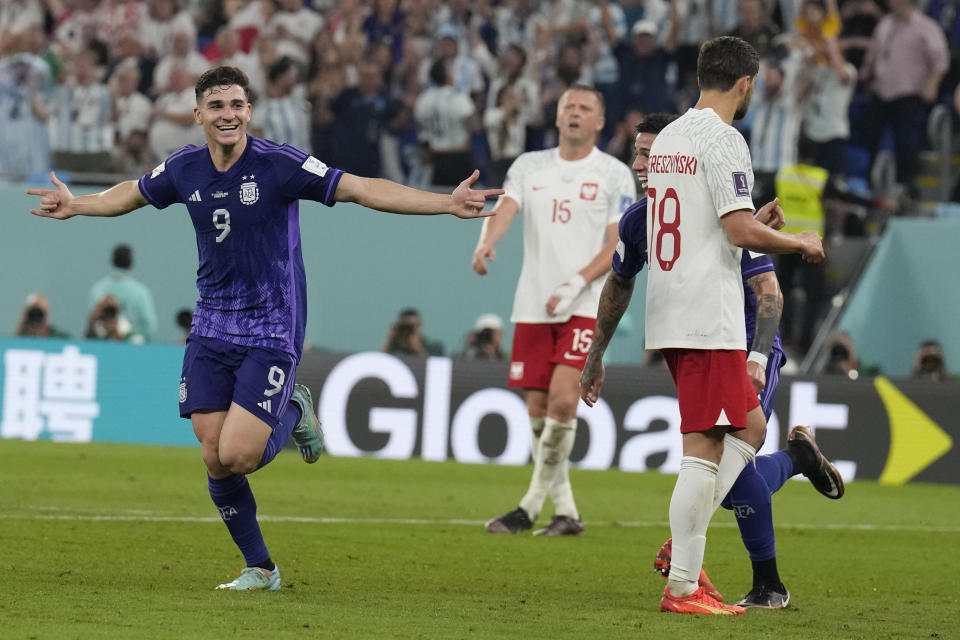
251, 276
631, 255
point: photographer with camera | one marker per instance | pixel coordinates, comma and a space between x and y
107, 322
405, 337
484, 341
929, 363
34, 319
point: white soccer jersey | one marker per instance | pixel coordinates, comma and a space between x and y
699, 170
567, 207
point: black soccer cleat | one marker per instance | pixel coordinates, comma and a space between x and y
511, 522
764, 597
823, 475
561, 526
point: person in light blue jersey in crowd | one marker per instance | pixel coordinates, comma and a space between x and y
239, 366
134, 297
750, 495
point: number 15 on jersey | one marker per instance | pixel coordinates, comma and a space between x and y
666, 250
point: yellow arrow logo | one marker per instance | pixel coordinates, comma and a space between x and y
916, 441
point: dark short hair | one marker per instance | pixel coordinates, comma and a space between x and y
438, 72
222, 77
280, 67
122, 256
655, 122
589, 89
723, 61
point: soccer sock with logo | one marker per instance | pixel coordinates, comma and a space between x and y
238, 510
750, 499
737, 454
776, 468
281, 433
690, 511
532, 502
557, 443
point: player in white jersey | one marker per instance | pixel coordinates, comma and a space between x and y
572, 197
699, 218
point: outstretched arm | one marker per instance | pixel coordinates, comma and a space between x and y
385, 195
745, 231
59, 203
492, 231
614, 300
769, 308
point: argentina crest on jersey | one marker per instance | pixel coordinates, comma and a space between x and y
249, 192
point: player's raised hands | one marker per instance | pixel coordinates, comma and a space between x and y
469, 203
54, 203
771, 214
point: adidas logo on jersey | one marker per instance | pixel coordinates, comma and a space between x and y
195, 197
265, 405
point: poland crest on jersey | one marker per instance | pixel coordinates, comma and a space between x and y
249, 193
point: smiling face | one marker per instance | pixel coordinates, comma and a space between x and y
223, 112
640, 163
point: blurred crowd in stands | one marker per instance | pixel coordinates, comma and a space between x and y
422, 91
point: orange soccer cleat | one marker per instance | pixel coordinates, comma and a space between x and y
661, 564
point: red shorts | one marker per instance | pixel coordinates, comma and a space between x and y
538, 348
713, 387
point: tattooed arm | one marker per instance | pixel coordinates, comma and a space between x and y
614, 300
769, 307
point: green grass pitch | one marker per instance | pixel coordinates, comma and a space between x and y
113, 541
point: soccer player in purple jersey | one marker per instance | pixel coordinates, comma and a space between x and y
749, 498
242, 193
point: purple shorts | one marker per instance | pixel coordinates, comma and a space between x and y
216, 373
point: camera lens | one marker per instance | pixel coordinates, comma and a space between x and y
110, 312
36, 315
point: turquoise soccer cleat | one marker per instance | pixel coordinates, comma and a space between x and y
308, 434
254, 579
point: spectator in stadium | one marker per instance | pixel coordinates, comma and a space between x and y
755, 26
405, 336
506, 126
842, 359
184, 322
827, 119
284, 112
133, 296
160, 20
293, 28
466, 76
483, 342
750, 495
230, 54
604, 28
118, 27
76, 29
81, 123
800, 188
362, 114
131, 118
183, 53
25, 83
571, 198
173, 125
859, 19
35, 319
16, 18
621, 144
444, 118
512, 72
778, 112
644, 66
249, 321
385, 23
929, 363
904, 65
107, 322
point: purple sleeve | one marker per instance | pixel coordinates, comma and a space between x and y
158, 186
752, 264
304, 177
631, 253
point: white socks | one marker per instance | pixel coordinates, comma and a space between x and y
551, 455
701, 486
691, 508
737, 454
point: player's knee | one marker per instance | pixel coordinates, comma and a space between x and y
562, 407
240, 462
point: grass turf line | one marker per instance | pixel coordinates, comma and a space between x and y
375, 575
